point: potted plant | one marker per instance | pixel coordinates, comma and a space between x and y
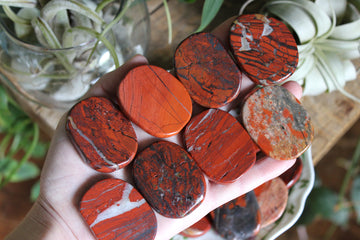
52, 50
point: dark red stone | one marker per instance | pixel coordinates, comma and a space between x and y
292, 175
277, 122
238, 219
207, 71
155, 100
115, 210
198, 229
264, 48
220, 145
272, 201
169, 179
102, 134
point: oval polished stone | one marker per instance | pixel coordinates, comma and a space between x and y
115, 210
155, 100
169, 179
272, 201
207, 71
277, 122
220, 145
198, 229
264, 48
292, 175
238, 219
102, 134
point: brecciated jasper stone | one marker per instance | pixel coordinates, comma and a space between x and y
272, 201
155, 100
220, 145
238, 219
198, 229
169, 179
277, 122
115, 210
292, 175
207, 70
264, 48
102, 134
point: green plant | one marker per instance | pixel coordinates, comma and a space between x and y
20, 142
336, 206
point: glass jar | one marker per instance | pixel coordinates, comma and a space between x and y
59, 77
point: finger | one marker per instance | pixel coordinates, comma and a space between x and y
222, 32
294, 88
108, 84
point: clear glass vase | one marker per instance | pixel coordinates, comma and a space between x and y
59, 77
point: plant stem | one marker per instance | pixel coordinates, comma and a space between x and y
349, 174
168, 19
345, 183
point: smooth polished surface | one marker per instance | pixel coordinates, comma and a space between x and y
272, 201
207, 71
115, 210
220, 145
277, 122
169, 179
198, 229
292, 175
238, 219
155, 100
264, 48
103, 136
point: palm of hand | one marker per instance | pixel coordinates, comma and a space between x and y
66, 177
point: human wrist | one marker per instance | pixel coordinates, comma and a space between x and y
42, 223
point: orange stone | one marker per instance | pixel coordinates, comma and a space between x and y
272, 201
198, 229
207, 71
155, 100
103, 136
277, 122
220, 145
292, 175
264, 48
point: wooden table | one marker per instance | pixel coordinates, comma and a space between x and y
333, 114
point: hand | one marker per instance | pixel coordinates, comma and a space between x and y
65, 177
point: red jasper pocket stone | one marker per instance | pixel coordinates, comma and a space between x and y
207, 71
102, 134
169, 179
239, 218
220, 145
272, 201
277, 122
155, 100
198, 229
115, 210
292, 175
264, 48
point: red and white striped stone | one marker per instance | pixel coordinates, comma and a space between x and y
114, 209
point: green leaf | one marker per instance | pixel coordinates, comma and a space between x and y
28, 170
39, 150
322, 202
355, 196
35, 191
19, 3
340, 216
210, 9
6, 165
